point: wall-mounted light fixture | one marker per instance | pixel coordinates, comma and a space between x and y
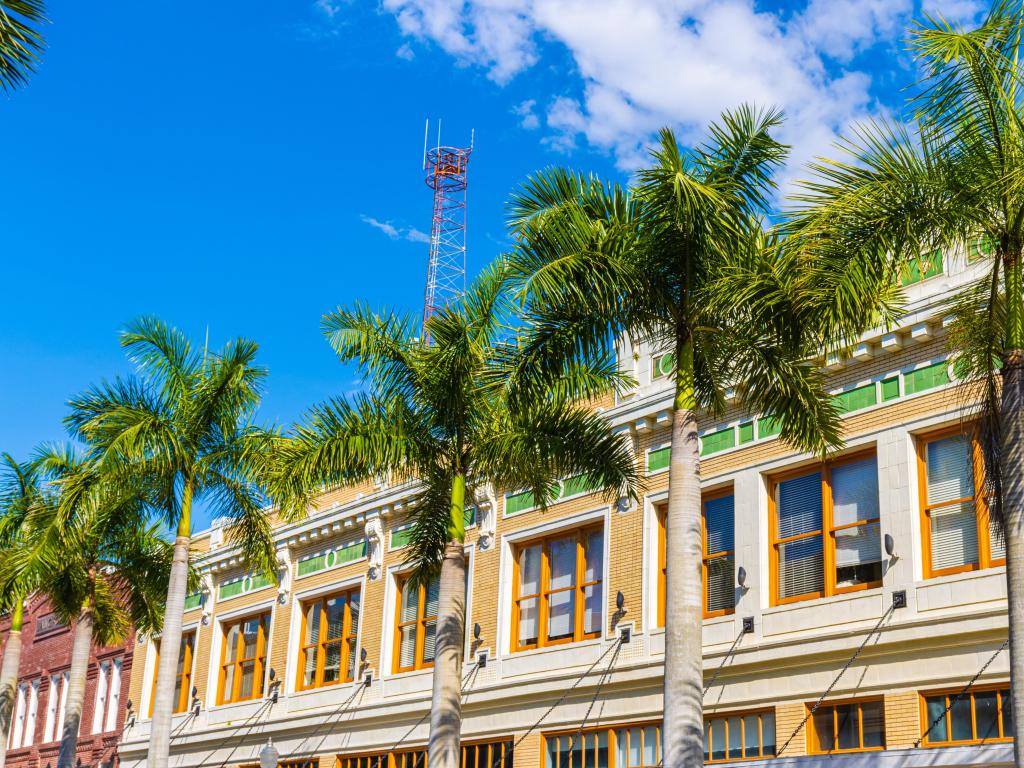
620, 600
476, 631
890, 545
269, 755
741, 577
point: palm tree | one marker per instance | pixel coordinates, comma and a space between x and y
20, 40
92, 553
679, 262
18, 490
441, 413
948, 179
184, 424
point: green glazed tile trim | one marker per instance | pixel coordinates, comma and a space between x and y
890, 389
926, 378
855, 399
767, 426
746, 432
658, 459
401, 537
193, 601
717, 441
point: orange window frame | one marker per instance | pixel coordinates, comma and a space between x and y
814, 746
706, 556
709, 745
543, 597
260, 660
612, 744
979, 499
420, 621
1003, 698
827, 531
346, 641
181, 705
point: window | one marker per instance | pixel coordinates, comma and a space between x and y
183, 675
243, 657
637, 746
33, 713
980, 715
558, 594
739, 736
956, 531
824, 530
102, 681
18, 726
853, 726
113, 696
482, 754
56, 701
718, 519
415, 630
329, 627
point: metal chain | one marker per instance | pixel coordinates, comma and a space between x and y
475, 668
266, 703
331, 718
960, 695
597, 692
832, 685
725, 660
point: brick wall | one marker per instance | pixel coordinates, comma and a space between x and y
46, 651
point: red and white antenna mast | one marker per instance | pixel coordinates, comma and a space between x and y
445, 169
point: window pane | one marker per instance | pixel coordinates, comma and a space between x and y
186, 645
799, 505
986, 715
407, 651
410, 601
312, 624
353, 608
768, 733
650, 746
429, 639
335, 617
707, 734
855, 492
954, 536
231, 643
560, 614
529, 570
718, 739
635, 743
250, 636
563, 562
997, 543
621, 745
936, 706
960, 720
721, 592
950, 474
735, 737
800, 567
1007, 707
351, 673
593, 568
751, 739
309, 668
873, 724
602, 752
592, 605
847, 736
718, 523
177, 695
229, 682
432, 598
528, 620
332, 663
248, 679
858, 555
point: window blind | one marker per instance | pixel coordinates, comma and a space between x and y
799, 505
801, 562
954, 536
801, 567
950, 474
718, 522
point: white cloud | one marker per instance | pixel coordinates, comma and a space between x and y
527, 117
411, 234
405, 52
329, 8
641, 64
959, 11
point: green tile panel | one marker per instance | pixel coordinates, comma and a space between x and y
767, 426
658, 459
923, 379
746, 432
721, 440
193, 601
890, 389
401, 537
855, 399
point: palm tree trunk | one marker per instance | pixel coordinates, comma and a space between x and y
80, 648
446, 703
170, 640
9, 675
683, 722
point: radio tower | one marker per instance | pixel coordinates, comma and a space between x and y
445, 169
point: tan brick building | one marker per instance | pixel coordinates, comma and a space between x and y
825, 552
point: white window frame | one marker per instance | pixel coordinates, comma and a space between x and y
113, 694
100, 704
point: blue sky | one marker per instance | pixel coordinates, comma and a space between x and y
249, 167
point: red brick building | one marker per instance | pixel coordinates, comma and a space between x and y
38, 716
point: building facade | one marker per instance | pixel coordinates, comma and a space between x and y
41, 696
847, 603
